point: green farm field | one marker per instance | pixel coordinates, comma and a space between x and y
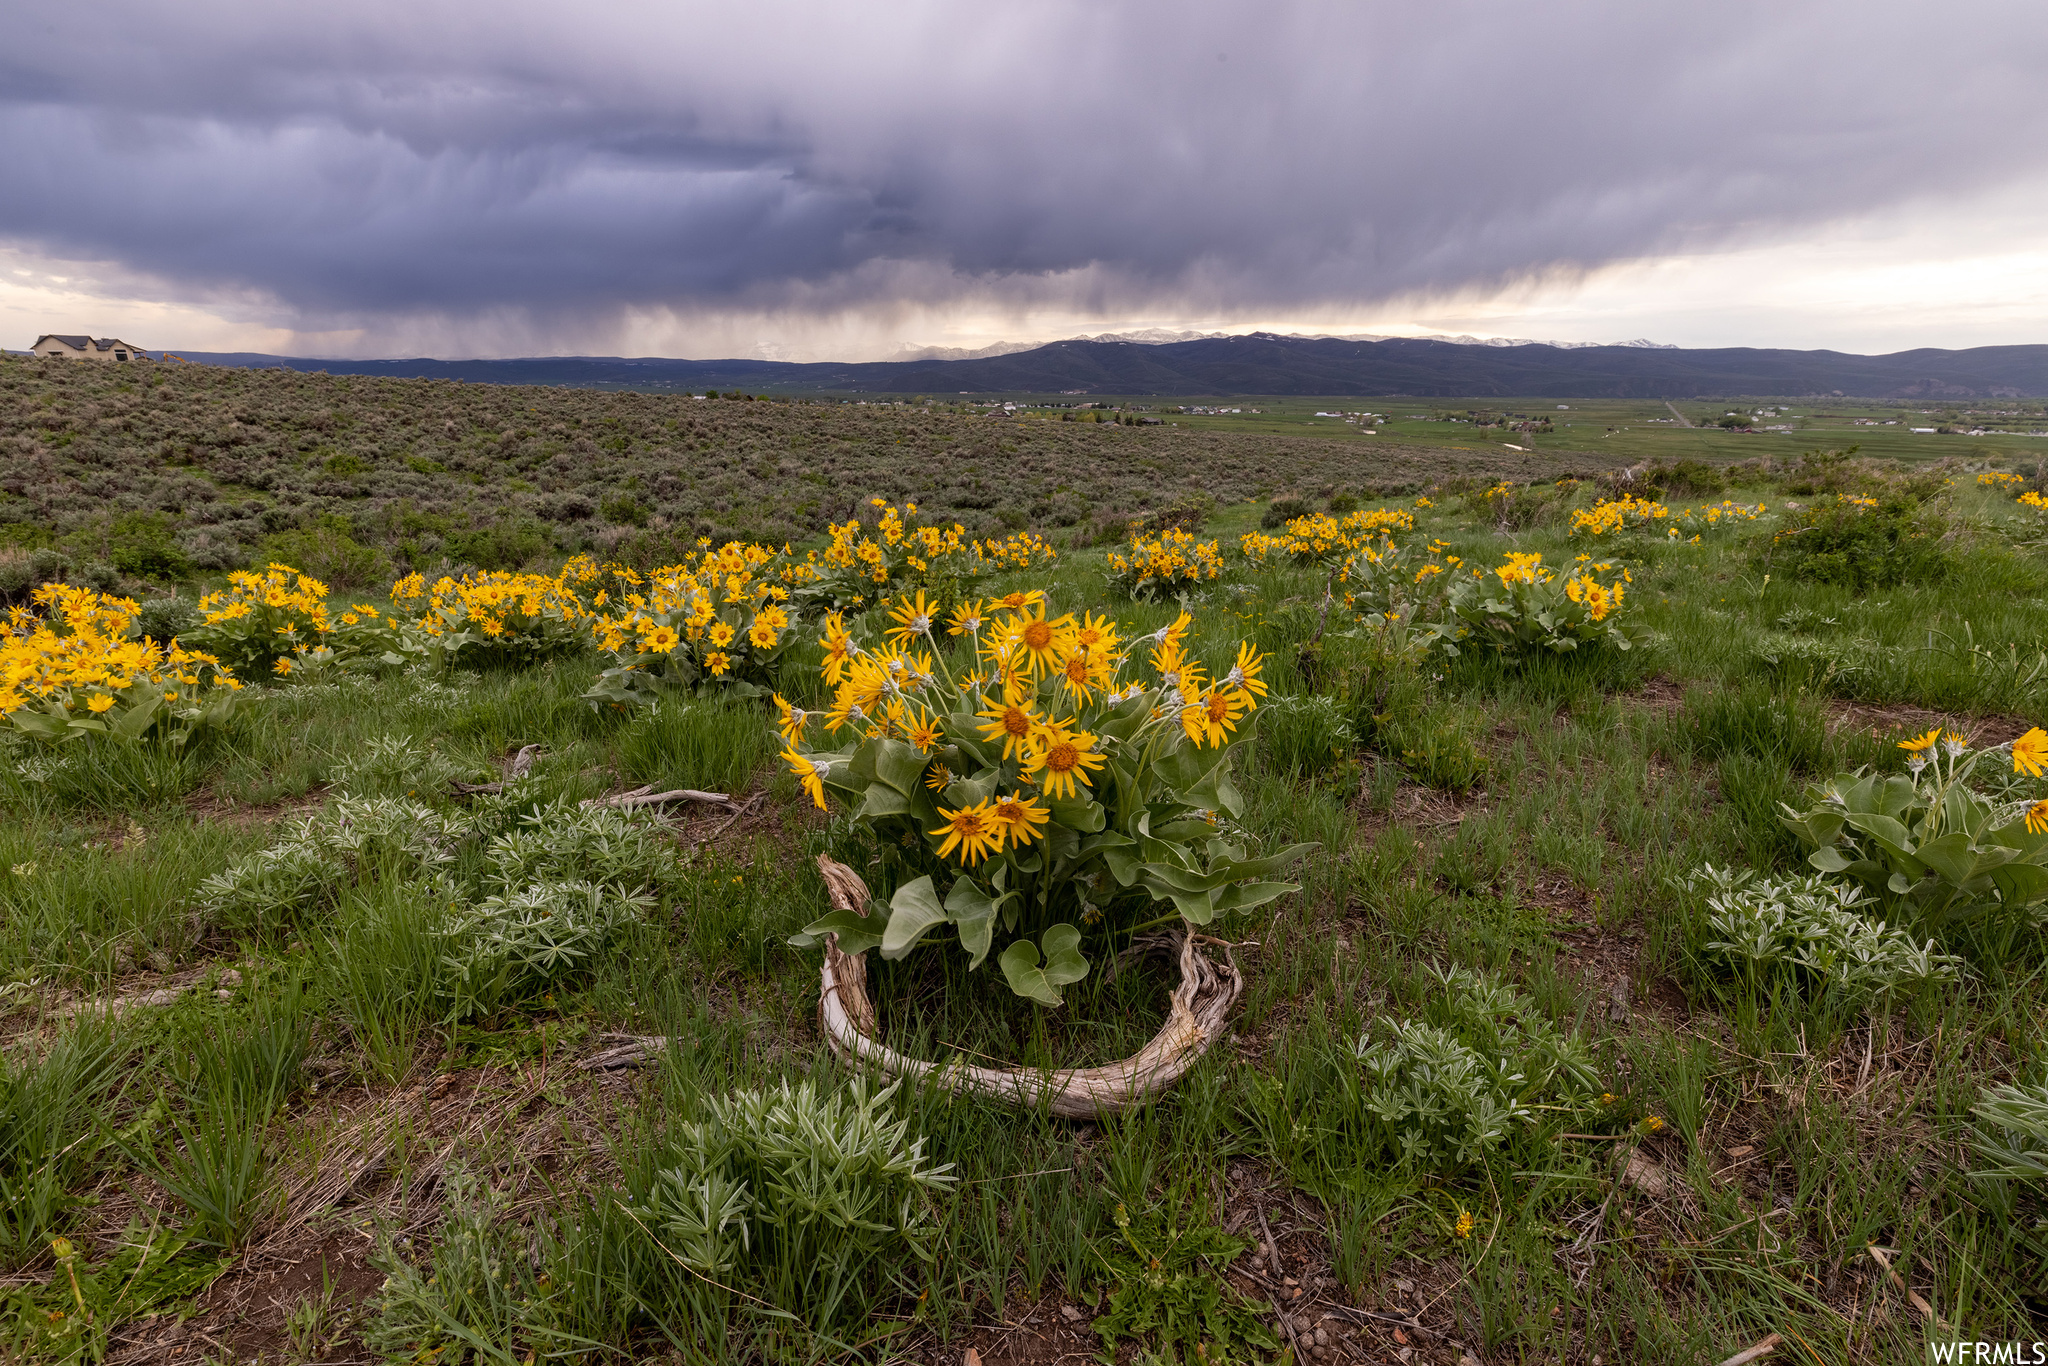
348, 1023
2006, 431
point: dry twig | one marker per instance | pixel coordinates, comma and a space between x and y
1749, 1354
1878, 1255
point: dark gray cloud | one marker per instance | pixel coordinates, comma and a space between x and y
460, 160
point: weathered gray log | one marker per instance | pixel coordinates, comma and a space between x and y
1198, 1011
647, 796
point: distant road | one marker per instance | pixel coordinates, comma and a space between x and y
1682, 421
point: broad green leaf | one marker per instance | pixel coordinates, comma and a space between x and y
1125, 720
1885, 829
913, 911
857, 934
2020, 884
1243, 896
882, 800
133, 722
974, 912
844, 773
1188, 766
1063, 964
1197, 907
1893, 796
964, 730
1227, 795
1950, 856
1063, 961
898, 764
39, 724
1079, 814
1828, 859
1122, 859
1822, 825
1105, 841
970, 791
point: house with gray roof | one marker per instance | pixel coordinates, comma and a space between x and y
52, 346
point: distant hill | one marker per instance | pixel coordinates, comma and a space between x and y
1263, 363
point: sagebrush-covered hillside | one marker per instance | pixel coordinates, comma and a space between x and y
164, 469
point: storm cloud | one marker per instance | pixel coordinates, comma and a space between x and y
375, 161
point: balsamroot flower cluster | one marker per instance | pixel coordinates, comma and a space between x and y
722, 620
1321, 538
898, 553
1035, 769
1039, 681
260, 619
78, 666
1385, 583
1525, 603
1934, 851
719, 619
486, 614
1610, 517
1166, 565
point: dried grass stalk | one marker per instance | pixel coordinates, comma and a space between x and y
1199, 1007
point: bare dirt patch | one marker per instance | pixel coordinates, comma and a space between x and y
213, 807
1424, 809
373, 1157
1893, 722
1659, 693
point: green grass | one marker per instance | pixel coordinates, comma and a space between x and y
1528, 820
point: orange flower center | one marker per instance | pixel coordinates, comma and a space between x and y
1010, 811
1015, 722
1218, 706
1062, 758
1038, 635
1077, 669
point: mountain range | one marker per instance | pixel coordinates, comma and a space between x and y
1266, 363
1157, 336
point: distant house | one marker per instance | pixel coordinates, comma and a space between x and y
54, 347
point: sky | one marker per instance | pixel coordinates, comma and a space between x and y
797, 180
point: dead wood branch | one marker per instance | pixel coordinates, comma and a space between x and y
628, 1050
843, 886
458, 789
154, 999
647, 796
746, 808
1749, 1354
1198, 1009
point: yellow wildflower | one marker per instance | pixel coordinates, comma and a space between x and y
973, 830
2030, 753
